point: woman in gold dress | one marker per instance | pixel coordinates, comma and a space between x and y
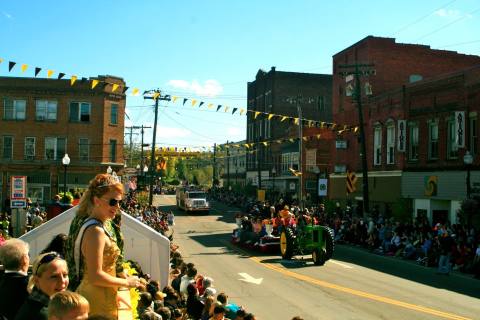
94, 249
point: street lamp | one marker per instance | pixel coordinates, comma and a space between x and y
145, 170
274, 172
468, 160
65, 162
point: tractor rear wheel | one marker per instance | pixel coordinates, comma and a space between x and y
329, 243
319, 256
287, 239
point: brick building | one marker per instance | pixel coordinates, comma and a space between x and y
234, 164
42, 119
276, 92
399, 68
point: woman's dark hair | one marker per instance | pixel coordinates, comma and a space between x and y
57, 244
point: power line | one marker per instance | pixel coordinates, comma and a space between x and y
422, 18
447, 25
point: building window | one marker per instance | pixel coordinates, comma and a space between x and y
433, 140
391, 143
80, 111
113, 150
377, 146
55, 148
413, 142
14, 109
46, 110
452, 147
7, 147
83, 149
29, 153
114, 114
473, 135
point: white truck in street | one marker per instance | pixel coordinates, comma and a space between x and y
191, 199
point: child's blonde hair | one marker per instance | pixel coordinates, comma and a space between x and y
64, 301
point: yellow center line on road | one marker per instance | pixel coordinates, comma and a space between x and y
359, 293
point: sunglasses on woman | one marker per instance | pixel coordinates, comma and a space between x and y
47, 259
113, 202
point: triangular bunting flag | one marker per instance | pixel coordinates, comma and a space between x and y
295, 121
83, 80
1, 60
156, 95
265, 143
184, 100
226, 108
194, 101
73, 79
291, 139
125, 90
355, 129
256, 114
210, 106
49, 73
24, 67
94, 83
135, 91
114, 87
322, 124
333, 125
61, 75
234, 110
105, 84
283, 118
201, 104
305, 138
11, 64
318, 136
218, 107
242, 111
270, 116
174, 98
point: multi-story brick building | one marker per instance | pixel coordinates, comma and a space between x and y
234, 163
42, 119
277, 92
399, 68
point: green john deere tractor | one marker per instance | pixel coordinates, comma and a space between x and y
308, 239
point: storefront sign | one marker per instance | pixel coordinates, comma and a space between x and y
18, 204
19, 187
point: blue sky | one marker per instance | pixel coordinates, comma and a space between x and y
210, 49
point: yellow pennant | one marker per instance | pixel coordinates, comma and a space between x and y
1, 60
114, 87
246, 145
279, 141
265, 143
310, 123
270, 116
50, 73
345, 127
291, 139
194, 101
174, 99
135, 91
73, 79
256, 114
210, 106
305, 138
355, 130
322, 124
295, 121
94, 83
156, 95
283, 119
226, 108
242, 111
24, 67
318, 136
334, 125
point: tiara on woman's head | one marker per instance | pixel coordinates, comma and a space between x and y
109, 182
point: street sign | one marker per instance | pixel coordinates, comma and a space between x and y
18, 204
18, 187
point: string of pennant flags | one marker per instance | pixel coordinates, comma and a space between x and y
135, 91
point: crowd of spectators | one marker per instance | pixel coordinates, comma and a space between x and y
442, 245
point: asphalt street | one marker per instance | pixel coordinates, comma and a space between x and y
355, 284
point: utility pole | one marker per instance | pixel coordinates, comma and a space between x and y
228, 166
155, 95
357, 96
214, 164
300, 145
142, 164
131, 133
